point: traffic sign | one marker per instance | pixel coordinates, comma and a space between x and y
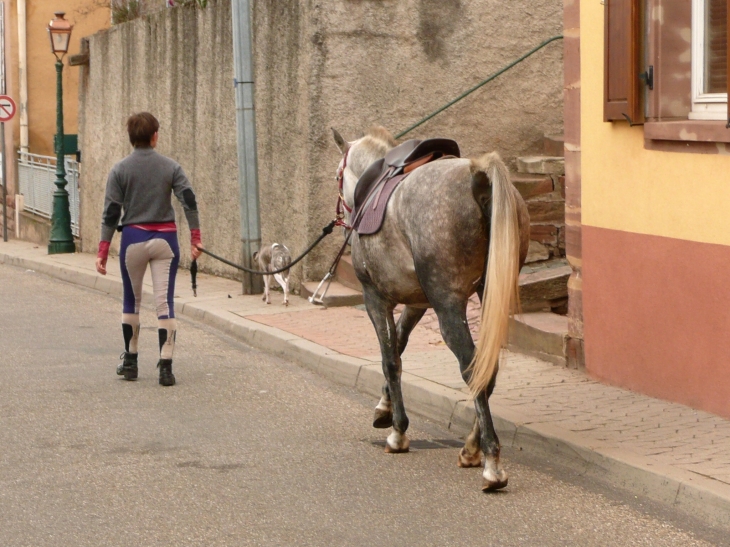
7, 108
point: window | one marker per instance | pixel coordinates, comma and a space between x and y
666, 66
709, 60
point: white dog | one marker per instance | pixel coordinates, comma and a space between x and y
270, 259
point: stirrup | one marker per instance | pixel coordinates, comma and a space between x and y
319, 300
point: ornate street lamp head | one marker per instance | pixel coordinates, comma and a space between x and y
59, 31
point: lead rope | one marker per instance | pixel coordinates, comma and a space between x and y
327, 230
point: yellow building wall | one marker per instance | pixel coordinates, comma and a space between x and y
88, 17
625, 187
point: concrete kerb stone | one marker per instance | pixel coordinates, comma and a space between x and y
370, 380
429, 399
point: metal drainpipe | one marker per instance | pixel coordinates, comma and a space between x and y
23, 76
246, 134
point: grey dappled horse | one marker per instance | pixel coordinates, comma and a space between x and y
441, 224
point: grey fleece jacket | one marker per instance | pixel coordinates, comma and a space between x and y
139, 190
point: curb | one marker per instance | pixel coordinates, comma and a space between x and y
693, 494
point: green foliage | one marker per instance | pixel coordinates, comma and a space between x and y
125, 10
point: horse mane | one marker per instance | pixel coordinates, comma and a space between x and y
382, 134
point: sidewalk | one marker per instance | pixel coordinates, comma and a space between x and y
668, 452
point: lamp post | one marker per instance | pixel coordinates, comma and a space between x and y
61, 240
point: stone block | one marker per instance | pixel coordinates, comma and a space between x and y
547, 210
536, 252
531, 185
541, 335
541, 165
337, 294
553, 145
345, 274
547, 234
539, 288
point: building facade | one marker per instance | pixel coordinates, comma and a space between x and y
648, 195
30, 73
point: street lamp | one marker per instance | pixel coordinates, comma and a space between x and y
61, 240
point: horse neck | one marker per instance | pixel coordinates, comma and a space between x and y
365, 158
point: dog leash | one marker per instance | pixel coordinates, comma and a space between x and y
327, 230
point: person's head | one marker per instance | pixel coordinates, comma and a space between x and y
142, 128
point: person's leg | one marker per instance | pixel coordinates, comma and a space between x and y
165, 256
133, 262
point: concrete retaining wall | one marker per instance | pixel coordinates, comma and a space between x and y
337, 63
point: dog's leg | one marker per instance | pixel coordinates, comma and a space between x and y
267, 280
284, 283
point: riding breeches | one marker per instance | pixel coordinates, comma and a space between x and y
161, 251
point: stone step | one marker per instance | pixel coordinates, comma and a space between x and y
530, 186
541, 165
553, 145
546, 288
345, 274
338, 295
540, 334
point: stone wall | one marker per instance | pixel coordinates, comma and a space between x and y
337, 63
176, 64
353, 63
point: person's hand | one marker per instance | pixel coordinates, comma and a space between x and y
195, 251
101, 265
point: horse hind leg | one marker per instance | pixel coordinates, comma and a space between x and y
455, 331
409, 318
381, 315
470, 454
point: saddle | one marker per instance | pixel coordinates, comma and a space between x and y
376, 184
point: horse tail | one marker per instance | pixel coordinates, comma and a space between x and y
491, 183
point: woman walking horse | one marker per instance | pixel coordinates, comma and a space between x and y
442, 224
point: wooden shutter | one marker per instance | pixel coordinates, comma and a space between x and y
622, 50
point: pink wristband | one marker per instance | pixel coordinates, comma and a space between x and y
195, 237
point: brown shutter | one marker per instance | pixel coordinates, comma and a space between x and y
622, 41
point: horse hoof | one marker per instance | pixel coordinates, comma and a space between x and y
494, 479
491, 486
383, 419
389, 450
469, 460
397, 443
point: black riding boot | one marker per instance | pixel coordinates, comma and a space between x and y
128, 367
167, 378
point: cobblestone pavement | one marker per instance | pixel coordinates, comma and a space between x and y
678, 448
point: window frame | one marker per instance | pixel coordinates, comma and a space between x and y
705, 106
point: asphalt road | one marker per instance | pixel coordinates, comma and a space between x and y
249, 449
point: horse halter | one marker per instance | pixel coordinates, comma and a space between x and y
340, 218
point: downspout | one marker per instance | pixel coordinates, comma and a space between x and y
23, 76
248, 184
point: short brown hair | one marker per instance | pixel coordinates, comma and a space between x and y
141, 127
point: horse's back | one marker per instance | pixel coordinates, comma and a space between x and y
433, 233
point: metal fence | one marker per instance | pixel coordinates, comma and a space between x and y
36, 176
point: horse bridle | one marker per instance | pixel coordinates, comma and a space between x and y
341, 204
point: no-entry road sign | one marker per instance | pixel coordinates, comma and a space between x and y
7, 108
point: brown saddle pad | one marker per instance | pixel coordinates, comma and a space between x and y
377, 183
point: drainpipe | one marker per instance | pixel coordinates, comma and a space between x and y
23, 76
246, 135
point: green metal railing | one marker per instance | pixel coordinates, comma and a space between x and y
489, 79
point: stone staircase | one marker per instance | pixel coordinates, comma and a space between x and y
542, 327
